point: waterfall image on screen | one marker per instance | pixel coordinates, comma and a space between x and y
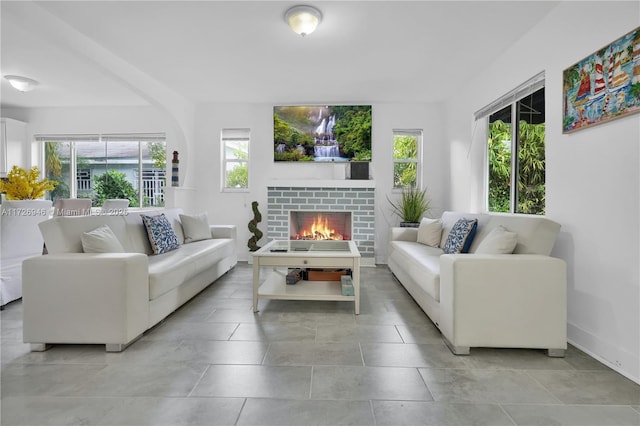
322, 133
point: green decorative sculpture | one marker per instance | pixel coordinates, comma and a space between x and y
253, 227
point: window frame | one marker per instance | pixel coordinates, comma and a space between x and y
231, 135
73, 139
419, 134
511, 100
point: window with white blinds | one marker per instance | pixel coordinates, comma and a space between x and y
515, 149
530, 86
104, 166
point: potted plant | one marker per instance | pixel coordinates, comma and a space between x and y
24, 185
413, 203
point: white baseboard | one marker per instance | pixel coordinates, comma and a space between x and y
616, 358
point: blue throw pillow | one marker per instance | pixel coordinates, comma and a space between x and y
461, 236
161, 234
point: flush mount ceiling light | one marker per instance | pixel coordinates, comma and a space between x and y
303, 19
22, 84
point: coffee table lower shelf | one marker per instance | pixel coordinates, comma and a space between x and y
275, 287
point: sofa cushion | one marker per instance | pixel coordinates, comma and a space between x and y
430, 232
161, 235
498, 241
461, 235
169, 270
420, 262
195, 227
101, 240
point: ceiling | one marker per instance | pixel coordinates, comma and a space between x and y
88, 53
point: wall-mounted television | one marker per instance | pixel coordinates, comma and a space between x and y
322, 133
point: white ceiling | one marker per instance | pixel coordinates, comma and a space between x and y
242, 51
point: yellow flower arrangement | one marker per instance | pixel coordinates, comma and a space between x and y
24, 185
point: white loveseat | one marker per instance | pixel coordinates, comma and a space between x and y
111, 298
488, 300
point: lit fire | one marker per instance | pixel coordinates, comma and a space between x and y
319, 230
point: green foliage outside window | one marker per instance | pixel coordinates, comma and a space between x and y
405, 147
531, 167
114, 184
55, 168
158, 153
499, 166
237, 175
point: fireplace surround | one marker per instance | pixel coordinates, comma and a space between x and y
356, 197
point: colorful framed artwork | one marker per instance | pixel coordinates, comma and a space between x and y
603, 86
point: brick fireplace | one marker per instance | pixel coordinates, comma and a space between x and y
359, 201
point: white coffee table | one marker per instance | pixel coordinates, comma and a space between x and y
283, 254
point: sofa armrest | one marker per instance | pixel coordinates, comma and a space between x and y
506, 300
403, 234
224, 231
85, 298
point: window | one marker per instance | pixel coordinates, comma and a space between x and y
235, 159
407, 145
100, 167
515, 169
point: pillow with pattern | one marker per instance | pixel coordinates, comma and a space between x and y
461, 236
161, 235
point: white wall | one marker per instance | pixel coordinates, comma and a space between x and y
592, 181
225, 207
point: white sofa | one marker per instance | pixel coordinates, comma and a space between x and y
488, 300
111, 298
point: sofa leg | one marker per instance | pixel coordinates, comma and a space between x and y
114, 347
555, 353
457, 350
40, 347
119, 347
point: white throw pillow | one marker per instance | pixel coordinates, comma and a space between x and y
101, 240
195, 227
498, 241
430, 232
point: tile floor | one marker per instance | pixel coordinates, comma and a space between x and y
213, 362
